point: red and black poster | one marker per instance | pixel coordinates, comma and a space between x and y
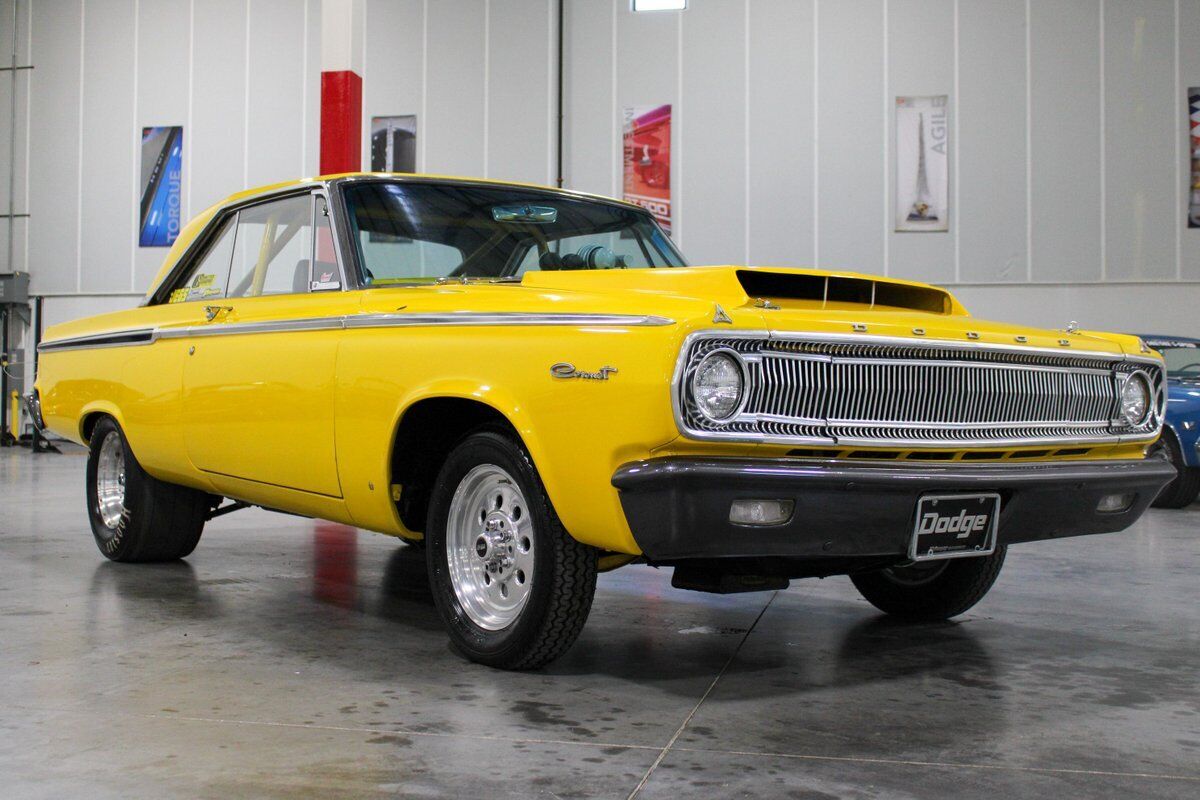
647, 159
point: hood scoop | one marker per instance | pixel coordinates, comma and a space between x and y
832, 291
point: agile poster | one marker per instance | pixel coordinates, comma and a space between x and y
922, 168
647, 159
162, 180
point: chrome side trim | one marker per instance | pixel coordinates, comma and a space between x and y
126, 338
143, 336
504, 318
242, 328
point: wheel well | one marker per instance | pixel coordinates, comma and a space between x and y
424, 438
1168, 433
89, 424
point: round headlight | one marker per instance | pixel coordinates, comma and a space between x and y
1135, 399
719, 385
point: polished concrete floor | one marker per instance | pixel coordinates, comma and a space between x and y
291, 658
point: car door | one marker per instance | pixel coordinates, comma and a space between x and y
258, 380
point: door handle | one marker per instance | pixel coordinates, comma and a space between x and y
212, 312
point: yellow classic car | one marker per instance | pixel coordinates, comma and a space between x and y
532, 384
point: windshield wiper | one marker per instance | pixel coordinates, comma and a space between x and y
467, 279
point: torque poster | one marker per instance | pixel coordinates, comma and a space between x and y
922, 168
1193, 220
394, 144
647, 160
162, 179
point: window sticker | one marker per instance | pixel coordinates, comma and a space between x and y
179, 295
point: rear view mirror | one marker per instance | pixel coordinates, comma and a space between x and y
523, 212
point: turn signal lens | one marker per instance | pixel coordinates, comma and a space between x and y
1114, 503
761, 512
719, 385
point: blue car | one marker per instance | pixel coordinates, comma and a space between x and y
1180, 442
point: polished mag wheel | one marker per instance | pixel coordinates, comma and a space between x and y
489, 547
512, 586
135, 516
110, 480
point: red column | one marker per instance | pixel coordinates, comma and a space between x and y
341, 122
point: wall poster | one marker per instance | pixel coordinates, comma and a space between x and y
1193, 220
394, 144
162, 180
922, 168
647, 160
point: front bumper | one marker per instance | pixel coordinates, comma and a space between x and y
678, 508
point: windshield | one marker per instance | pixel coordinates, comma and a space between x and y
417, 233
1182, 362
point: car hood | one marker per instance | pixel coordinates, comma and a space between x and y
784, 299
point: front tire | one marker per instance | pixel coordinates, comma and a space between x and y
136, 517
513, 588
932, 590
1182, 491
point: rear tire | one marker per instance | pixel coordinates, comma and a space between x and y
136, 517
931, 590
1182, 491
512, 587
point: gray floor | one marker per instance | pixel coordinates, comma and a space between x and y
288, 658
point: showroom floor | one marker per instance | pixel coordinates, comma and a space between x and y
291, 658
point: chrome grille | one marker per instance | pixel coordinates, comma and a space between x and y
804, 390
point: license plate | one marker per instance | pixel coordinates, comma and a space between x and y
954, 526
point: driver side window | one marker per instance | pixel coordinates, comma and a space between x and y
273, 250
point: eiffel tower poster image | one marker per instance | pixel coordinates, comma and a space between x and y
922, 169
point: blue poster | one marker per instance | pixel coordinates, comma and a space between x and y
162, 179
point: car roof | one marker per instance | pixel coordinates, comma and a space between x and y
198, 222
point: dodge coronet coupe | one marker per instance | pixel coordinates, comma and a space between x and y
532, 385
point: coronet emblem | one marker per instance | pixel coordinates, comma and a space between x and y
567, 371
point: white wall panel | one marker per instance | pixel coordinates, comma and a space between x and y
1096, 306
164, 38
521, 91
990, 107
19, 131
920, 62
850, 135
452, 138
274, 123
1140, 120
713, 113
7, 32
1189, 75
1065, 140
54, 147
826, 132
393, 57
591, 133
108, 149
217, 152
780, 107
311, 131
